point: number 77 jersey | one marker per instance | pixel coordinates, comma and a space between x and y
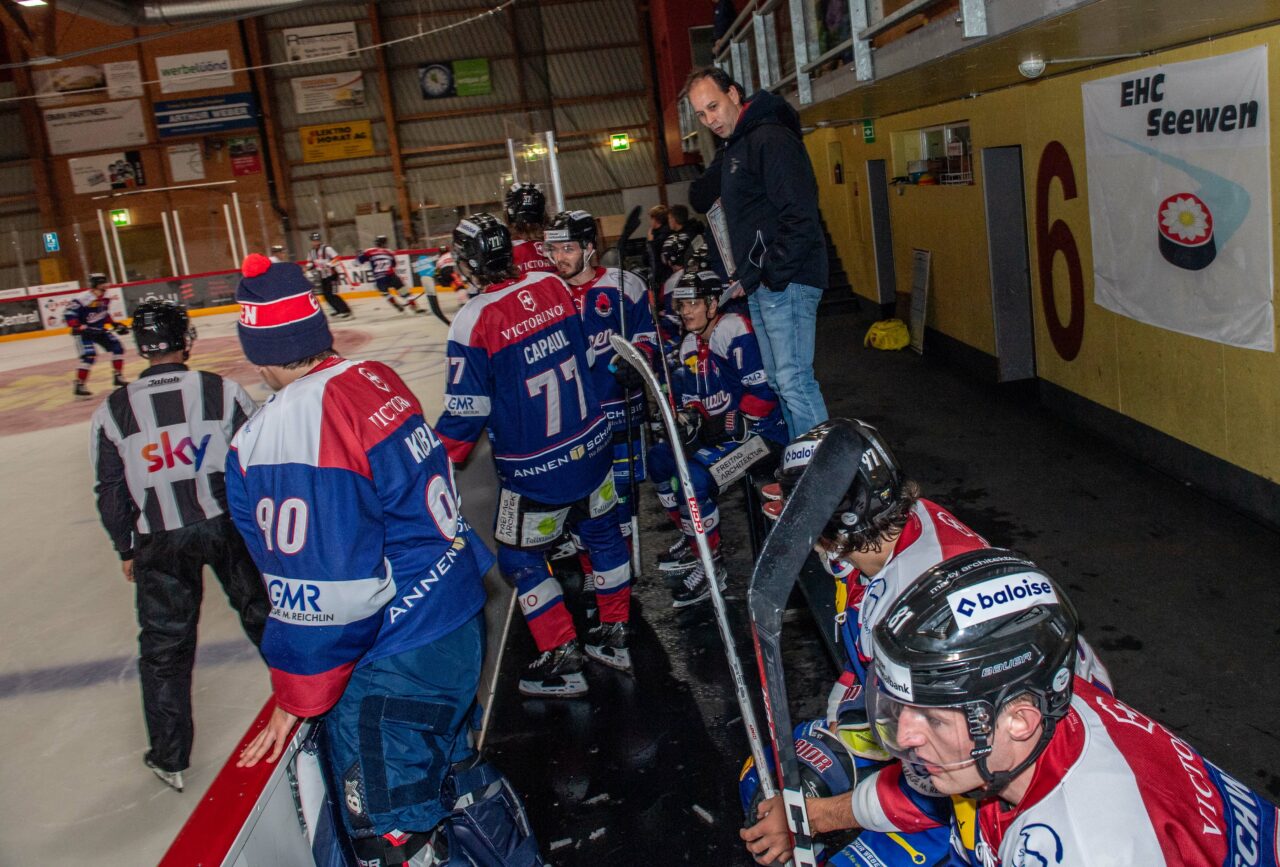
517, 362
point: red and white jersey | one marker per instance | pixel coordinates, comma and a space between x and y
1117, 788
529, 256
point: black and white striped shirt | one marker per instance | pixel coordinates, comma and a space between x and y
159, 446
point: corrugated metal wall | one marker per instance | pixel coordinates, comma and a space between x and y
547, 67
20, 221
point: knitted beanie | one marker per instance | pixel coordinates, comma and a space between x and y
280, 320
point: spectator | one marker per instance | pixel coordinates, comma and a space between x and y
724, 15
765, 182
678, 220
659, 231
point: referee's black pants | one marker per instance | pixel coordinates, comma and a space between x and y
168, 572
329, 291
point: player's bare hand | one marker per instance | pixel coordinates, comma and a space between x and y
270, 741
769, 839
126, 566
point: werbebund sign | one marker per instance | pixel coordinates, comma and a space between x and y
202, 70
1180, 197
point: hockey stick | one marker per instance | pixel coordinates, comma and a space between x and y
628, 229
788, 544
746, 707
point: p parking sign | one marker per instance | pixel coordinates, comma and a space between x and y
51, 242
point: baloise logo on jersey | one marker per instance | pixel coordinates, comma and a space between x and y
1000, 596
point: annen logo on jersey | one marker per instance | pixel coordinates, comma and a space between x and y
166, 455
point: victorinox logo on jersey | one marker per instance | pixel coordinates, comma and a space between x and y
166, 455
526, 300
374, 378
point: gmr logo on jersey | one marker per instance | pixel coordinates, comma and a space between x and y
1000, 596
166, 455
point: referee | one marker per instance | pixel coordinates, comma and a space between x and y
158, 447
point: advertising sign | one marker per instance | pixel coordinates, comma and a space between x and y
245, 158
203, 70
328, 92
204, 290
447, 78
17, 317
1179, 163
94, 127
102, 173
121, 79
205, 114
186, 162
337, 141
321, 40
124, 78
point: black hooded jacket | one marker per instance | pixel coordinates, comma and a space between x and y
764, 180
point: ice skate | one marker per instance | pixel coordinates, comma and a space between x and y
172, 779
81, 391
679, 558
607, 644
119, 381
695, 588
555, 674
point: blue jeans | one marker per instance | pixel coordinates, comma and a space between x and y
784, 323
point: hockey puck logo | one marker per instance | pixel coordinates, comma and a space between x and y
1184, 225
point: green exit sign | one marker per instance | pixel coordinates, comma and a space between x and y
120, 217
620, 141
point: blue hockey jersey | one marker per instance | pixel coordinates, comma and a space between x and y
89, 312
519, 363
724, 372
381, 262
598, 302
346, 500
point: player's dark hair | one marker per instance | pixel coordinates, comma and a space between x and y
311, 360
723, 80
680, 212
884, 526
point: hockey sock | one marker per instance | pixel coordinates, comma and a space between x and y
82, 374
613, 594
117, 364
542, 604
584, 562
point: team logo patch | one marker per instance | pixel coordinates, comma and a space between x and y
1000, 596
374, 378
1038, 846
603, 305
526, 300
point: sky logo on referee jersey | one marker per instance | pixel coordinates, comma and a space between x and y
166, 454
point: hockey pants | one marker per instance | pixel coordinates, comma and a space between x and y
336, 302
662, 468
167, 571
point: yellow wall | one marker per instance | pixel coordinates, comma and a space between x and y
1220, 399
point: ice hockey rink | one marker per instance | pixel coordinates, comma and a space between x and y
74, 789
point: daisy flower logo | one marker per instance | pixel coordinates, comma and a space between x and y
1185, 227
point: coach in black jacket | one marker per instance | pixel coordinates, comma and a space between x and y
764, 180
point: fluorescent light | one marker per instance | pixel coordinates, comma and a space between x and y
32, 3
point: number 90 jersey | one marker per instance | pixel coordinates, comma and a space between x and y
518, 363
346, 500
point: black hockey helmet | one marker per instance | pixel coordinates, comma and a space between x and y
694, 284
526, 205
970, 634
675, 248
876, 487
380, 241
160, 327
482, 247
315, 236
577, 226
97, 279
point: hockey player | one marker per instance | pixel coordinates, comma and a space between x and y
382, 270
973, 684
89, 317
320, 259
526, 209
347, 501
881, 537
607, 309
158, 448
519, 364
726, 405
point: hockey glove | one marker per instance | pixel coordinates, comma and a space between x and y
690, 421
77, 328
738, 425
626, 375
119, 329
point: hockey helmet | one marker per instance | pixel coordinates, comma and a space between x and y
482, 247
526, 205
693, 285
315, 236
97, 279
160, 327
973, 632
675, 248
577, 226
876, 487
380, 241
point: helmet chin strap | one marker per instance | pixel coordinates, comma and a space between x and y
981, 729
586, 262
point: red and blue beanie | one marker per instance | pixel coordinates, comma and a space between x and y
280, 320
